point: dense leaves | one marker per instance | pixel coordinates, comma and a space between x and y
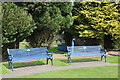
51, 19
17, 24
0, 24
97, 20
0, 31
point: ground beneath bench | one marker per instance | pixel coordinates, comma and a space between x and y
44, 68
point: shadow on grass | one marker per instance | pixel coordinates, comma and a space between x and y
74, 60
25, 64
30, 65
114, 54
57, 62
83, 61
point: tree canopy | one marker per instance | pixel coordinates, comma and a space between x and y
97, 19
17, 24
0, 25
50, 18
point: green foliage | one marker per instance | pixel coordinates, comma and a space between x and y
50, 19
17, 24
0, 24
116, 44
3, 69
56, 51
24, 45
97, 19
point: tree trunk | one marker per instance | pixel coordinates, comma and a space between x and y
17, 45
108, 42
4, 50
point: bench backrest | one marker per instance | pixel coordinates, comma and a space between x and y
84, 50
28, 53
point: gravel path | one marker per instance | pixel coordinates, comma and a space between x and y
44, 68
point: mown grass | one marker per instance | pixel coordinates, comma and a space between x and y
87, 72
56, 51
57, 62
23, 45
61, 62
24, 63
3, 69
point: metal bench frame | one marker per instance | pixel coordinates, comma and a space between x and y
101, 51
10, 57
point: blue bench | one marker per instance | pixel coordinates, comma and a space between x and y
28, 54
62, 47
85, 51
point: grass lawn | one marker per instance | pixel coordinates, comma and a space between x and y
3, 69
61, 62
56, 62
56, 51
23, 45
110, 59
87, 72
24, 63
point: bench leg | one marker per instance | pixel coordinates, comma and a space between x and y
47, 60
12, 65
8, 64
52, 61
70, 60
105, 58
101, 58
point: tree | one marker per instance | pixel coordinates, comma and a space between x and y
50, 18
17, 25
0, 23
98, 20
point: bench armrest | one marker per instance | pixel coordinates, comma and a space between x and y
10, 57
50, 52
69, 53
101, 51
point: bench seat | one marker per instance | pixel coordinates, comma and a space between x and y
28, 54
85, 51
